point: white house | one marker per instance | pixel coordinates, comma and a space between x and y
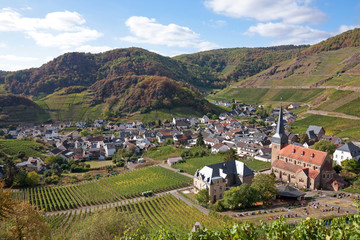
204, 119
110, 150
219, 148
32, 164
346, 151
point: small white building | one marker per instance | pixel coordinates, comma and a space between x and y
204, 119
173, 160
219, 148
346, 151
110, 150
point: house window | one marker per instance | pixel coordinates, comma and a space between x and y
324, 175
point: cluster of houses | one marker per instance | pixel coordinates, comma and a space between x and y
292, 163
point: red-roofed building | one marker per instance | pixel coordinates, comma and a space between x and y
300, 166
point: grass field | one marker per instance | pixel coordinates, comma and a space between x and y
13, 147
333, 125
192, 164
164, 152
98, 164
351, 108
257, 95
257, 165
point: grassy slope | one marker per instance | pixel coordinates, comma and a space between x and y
332, 125
13, 147
75, 106
256, 95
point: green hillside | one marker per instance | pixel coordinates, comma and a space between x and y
257, 95
217, 68
15, 109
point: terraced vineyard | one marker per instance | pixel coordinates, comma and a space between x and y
106, 190
164, 211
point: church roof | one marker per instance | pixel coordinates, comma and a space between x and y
280, 136
303, 154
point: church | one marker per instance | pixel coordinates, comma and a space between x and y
300, 166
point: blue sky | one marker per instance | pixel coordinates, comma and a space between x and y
34, 32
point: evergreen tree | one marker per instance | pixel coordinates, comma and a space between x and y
200, 140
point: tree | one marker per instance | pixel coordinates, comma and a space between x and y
200, 140
6, 202
265, 185
32, 179
325, 146
10, 172
20, 178
243, 196
84, 133
350, 165
303, 138
230, 155
203, 197
24, 222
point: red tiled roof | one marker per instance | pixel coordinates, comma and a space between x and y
286, 166
218, 145
304, 154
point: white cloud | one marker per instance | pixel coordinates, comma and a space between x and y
292, 33
11, 62
290, 11
3, 45
146, 30
284, 29
57, 29
344, 28
64, 40
10, 57
92, 49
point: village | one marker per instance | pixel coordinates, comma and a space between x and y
306, 182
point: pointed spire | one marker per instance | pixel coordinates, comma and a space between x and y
280, 136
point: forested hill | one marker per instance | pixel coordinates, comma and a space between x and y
84, 69
223, 66
347, 39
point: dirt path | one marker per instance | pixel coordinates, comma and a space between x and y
164, 165
333, 114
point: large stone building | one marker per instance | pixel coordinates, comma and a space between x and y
216, 178
300, 166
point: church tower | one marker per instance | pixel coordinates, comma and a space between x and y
280, 139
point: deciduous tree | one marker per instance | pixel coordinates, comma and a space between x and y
265, 185
203, 197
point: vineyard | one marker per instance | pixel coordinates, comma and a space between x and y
105, 190
165, 211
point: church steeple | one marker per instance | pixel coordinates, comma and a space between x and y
280, 137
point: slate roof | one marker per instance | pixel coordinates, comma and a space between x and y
351, 148
287, 191
223, 169
315, 129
